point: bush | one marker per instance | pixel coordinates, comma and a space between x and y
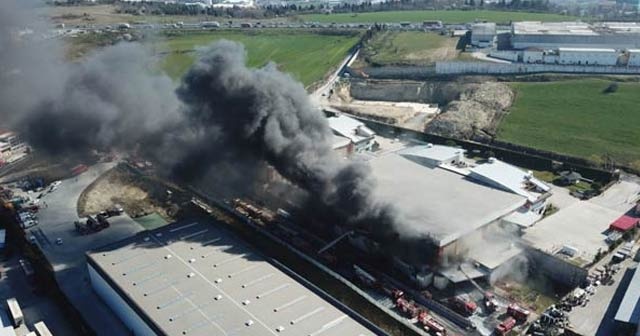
613, 87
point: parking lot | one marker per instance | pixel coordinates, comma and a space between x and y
65, 248
14, 284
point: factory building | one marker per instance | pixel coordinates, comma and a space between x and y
362, 137
197, 279
554, 35
483, 34
454, 200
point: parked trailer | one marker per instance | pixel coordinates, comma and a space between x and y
42, 329
518, 312
505, 326
15, 312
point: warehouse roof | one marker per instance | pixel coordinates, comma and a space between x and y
510, 178
488, 28
350, 128
552, 28
432, 152
601, 50
436, 201
197, 279
629, 309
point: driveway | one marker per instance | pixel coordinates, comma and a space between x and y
56, 221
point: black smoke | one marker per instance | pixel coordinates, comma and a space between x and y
223, 118
266, 116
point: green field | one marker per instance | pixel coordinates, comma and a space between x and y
307, 56
415, 48
575, 117
446, 16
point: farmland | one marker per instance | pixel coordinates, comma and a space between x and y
446, 16
307, 56
413, 48
577, 118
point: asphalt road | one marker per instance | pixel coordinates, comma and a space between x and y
68, 259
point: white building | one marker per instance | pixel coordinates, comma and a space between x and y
362, 137
634, 57
588, 56
197, 279
483, 34
553, 35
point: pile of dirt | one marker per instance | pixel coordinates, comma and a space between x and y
138, 195
476, 113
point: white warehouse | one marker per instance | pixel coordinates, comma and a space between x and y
588, 56
197, 279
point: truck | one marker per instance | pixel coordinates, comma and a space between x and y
15, 312
42, 329
517, 312
463, 306
505, 326
210, 24
434, 328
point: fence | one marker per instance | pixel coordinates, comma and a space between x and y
486, 68
522, 156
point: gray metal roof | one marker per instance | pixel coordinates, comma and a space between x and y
197, 279
629, 310
436, 201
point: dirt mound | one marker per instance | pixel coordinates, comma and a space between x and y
138, 195
476, 113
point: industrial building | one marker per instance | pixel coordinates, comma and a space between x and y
554, 35
441, 194
628, 314
483, 34
197, 279
361, 137
12, 147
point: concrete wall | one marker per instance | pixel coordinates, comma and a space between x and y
130, 318
458, 68
557, 269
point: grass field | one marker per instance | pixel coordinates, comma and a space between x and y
307, 56
575, 117
415, 48
446, 16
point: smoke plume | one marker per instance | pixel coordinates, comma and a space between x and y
222, 114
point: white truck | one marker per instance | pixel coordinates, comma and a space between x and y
42, 329
15, 312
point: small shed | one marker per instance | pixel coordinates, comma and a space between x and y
624, 223
570, 177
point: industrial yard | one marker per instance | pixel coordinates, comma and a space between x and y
468, 169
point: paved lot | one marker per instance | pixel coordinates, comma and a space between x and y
621, 196
597, 317
34, 308
560, 197
68, 259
